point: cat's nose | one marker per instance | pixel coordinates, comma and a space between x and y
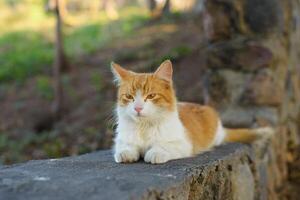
138, 109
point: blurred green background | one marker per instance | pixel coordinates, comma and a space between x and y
27, 33
95, 32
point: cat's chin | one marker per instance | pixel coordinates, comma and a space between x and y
139, 117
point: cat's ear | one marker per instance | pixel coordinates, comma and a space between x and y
119, 72
165, 71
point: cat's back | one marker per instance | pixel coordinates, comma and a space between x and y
201, 123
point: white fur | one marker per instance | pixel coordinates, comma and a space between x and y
220, 134
265, 132
157, 135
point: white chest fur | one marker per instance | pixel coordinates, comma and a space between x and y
157, 141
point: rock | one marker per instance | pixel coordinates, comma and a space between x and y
263, 89
226, 18
234, 82
243, 184
218, 92
216, 21
238, 54
225, 173
259, 41
236, 117
264, 16
266, 116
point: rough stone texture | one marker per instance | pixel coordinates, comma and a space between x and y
262, 89
263, 15
232, 171
253, 54
239, 54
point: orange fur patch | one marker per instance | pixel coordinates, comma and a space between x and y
147, 84
201, 124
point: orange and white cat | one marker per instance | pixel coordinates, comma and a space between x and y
152, 125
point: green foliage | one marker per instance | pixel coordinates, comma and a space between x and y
129, 24
47, 143
23, 54
84, 149
44, 87
53, 148
26, 37
88, 38
174, 54
172, 17
3, 142
84, 40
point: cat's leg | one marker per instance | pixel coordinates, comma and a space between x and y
157, 155
163, 152
126, 152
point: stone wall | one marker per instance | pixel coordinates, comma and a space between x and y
234, 171
253, 55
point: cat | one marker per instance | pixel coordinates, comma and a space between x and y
152, 125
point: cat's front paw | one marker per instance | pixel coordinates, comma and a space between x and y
157, 156
126, 156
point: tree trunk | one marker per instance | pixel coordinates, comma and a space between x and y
166, 8
60, 63
152, 6
160, 10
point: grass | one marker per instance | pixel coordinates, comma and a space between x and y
88, 38
47, 145
27, 37
44, 87
11, 150
23, 54
174, 54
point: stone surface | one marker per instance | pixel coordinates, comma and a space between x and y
238, 54
244, 177
263, 16
258, 41
224, 173
237, 117
263, 89
216, 22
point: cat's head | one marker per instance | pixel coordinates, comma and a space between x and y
145, 96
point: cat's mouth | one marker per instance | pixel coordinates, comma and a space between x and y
139, 115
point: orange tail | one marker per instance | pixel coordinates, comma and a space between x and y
247, 135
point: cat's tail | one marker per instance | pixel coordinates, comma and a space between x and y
247, 135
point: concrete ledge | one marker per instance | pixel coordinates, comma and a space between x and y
232, 171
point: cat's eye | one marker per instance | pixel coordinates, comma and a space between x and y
129, 96
151, 96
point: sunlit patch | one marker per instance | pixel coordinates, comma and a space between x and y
41, 178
